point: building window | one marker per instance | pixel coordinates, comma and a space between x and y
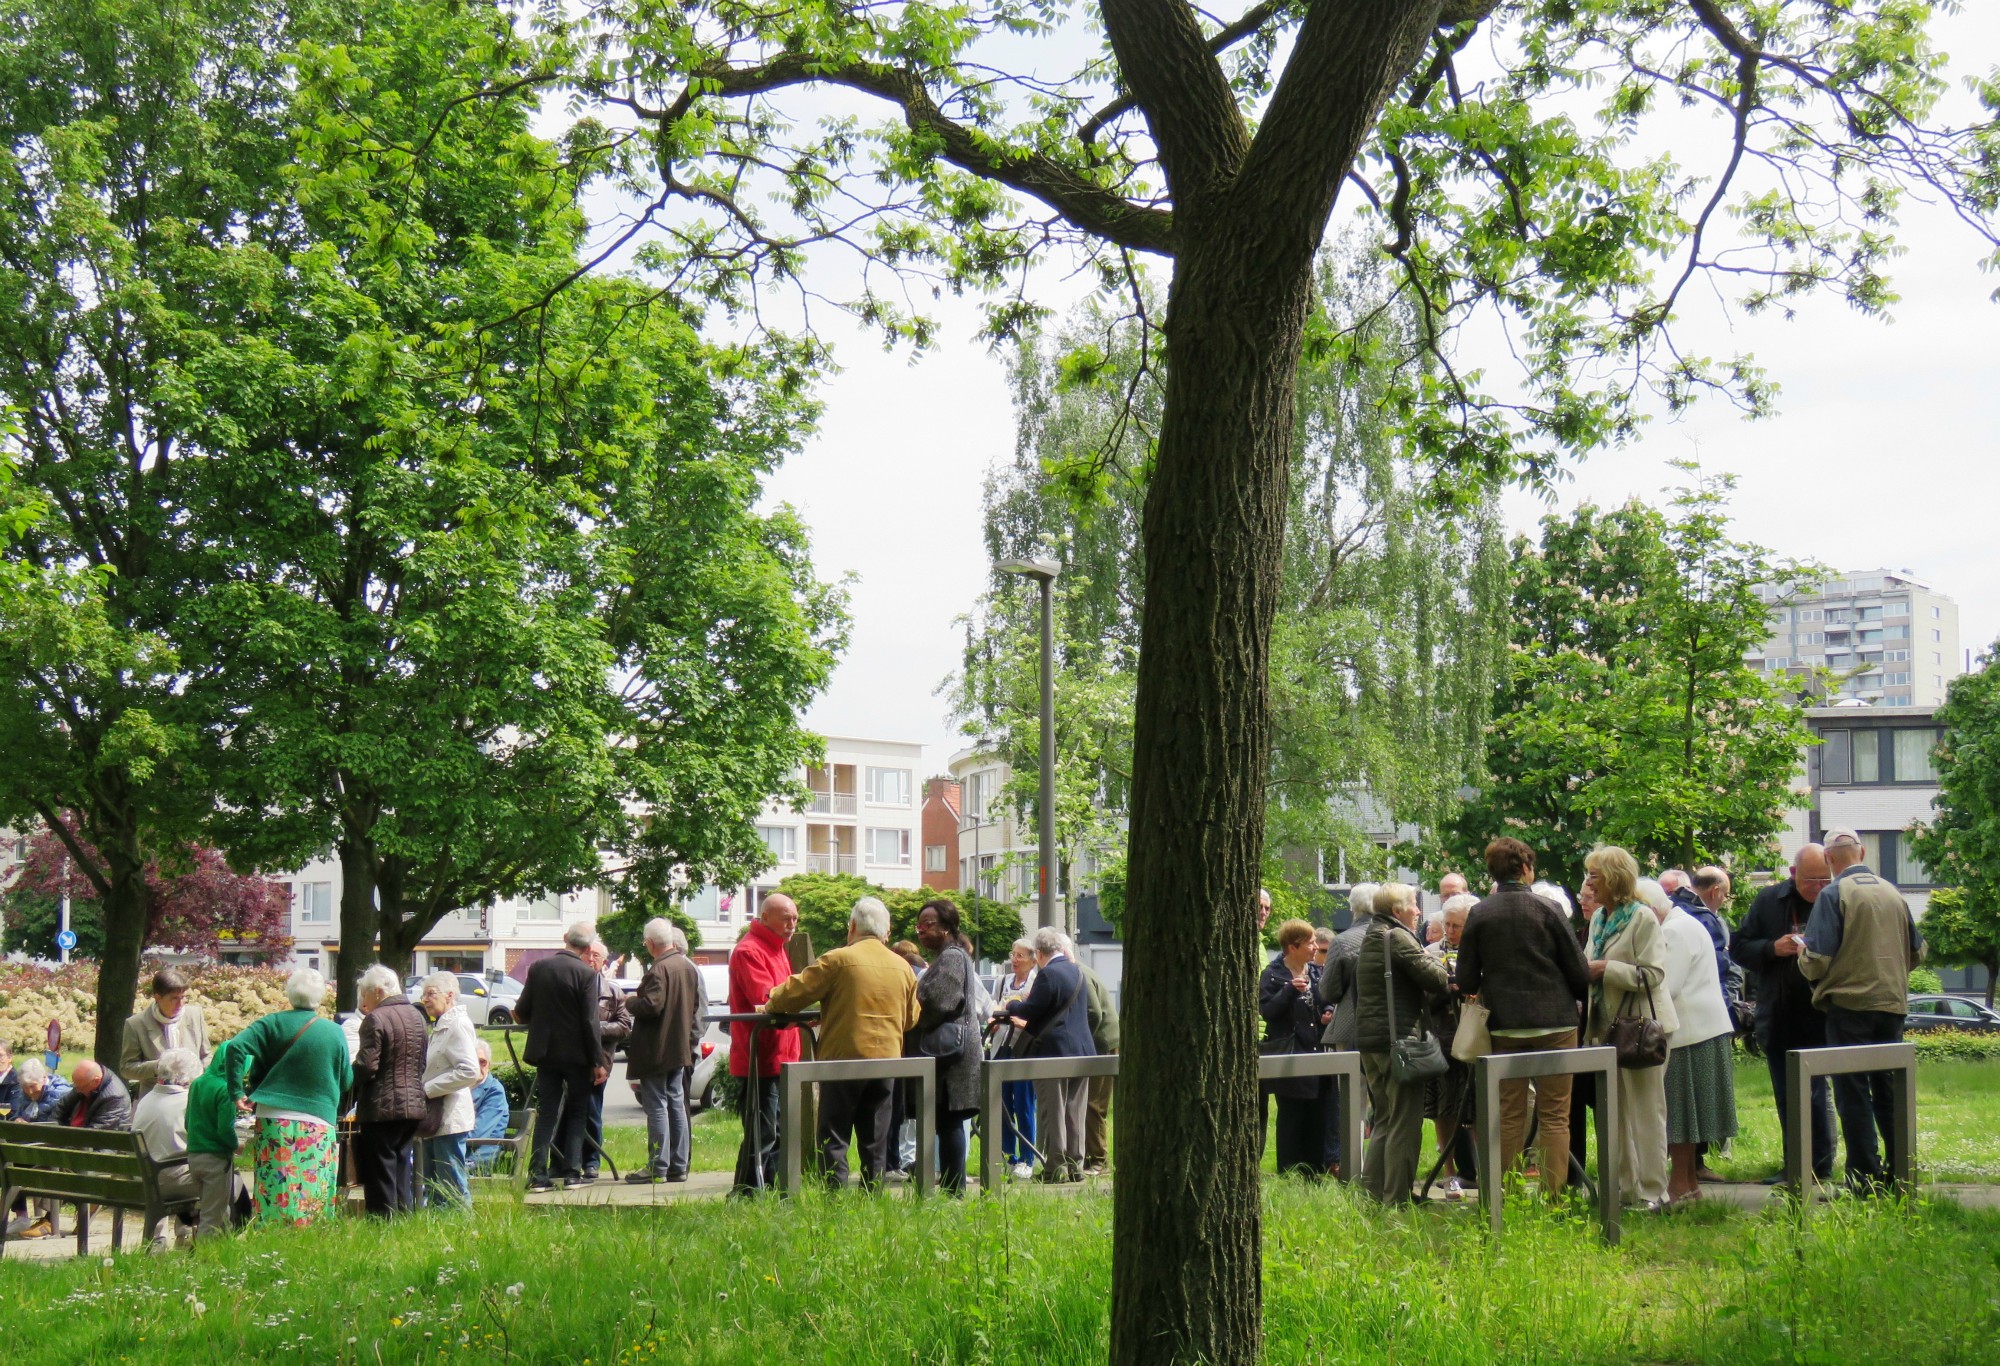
541, 908
890, 848
1871, 614
1897, 609
1910, 870
1937, 612
316, 903
889, 786
1781, 662
1913, 755
1937, 636
936, 858
782, 841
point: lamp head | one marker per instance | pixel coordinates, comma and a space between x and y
1042, 570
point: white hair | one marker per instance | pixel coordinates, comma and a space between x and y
32, 1072
484, 1050
443, 983
579, 935
305, 989
1462, 901
662, 931
1549, 891
1023, 943
870, 917
378, 980
1653, 894
179, 1066
1050, 940
1361, 899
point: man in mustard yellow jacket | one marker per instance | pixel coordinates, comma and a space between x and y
868, 1000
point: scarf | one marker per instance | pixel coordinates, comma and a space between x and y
169, 1025
1610, 925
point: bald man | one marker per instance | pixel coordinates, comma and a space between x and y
97, 1099
1767, 946
759, 962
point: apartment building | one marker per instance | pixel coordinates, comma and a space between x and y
1886, 639
996, 854
1872, 773
943, 819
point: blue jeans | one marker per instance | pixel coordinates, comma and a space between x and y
1864, 1099
1017, 1107
664, 1099
444, 1170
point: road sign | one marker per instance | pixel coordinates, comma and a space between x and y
66, 940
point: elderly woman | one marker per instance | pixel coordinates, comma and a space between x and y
451, 1070
160, 1119
388, 1092
1286, 999
37, 1095
294, 1074
168, 1022
1628, 965
1017, 1098
1394, 979
947, 997
1701, 1075
1448, 1100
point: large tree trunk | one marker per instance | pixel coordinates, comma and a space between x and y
357, 920
124, 905
1185, 1283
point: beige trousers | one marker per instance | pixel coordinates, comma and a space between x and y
1642, 1133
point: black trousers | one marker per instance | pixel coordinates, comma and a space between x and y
562, 1114
593, 1129
385, 1159
1864, 1099
1808, 1032
759, 1097
1301, 1136
864, 1110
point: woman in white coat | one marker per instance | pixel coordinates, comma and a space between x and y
451, 1070
1701, 1075
1628, 963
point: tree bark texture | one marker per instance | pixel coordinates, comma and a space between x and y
1247, 224
357, 922
124, 905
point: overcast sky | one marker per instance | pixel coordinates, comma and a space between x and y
1882, 455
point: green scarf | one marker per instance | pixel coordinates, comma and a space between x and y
1609, 926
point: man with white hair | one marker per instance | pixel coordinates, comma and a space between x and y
1336, 993
490, 1110
1056, 1019
667, 1011
559, 1005
868, 1001
388, 1092
160, 1120
614, 1024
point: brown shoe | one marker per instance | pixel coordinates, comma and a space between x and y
41, 1228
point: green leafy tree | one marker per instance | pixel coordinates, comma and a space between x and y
1628, 716
141, 144
825, 900
1961, 848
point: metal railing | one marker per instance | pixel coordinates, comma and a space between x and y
1345, 1069
1489, 1071
1802, 1065
759, 1021
997, 1073
833, 863
794, 1077
824, 803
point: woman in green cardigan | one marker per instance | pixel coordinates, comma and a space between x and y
294, 1073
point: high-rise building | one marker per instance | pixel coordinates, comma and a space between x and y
1886, 639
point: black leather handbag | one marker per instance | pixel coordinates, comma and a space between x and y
1639, 1042
1417, 1059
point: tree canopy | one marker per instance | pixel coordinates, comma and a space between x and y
1961, 847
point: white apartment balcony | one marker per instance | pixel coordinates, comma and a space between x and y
833, 849
833, 863
834, 789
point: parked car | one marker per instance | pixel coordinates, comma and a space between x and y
1952, 1012
711, 1062
486, 1001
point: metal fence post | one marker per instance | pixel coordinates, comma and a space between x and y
1494, 1068
795, 1076
1804, 1065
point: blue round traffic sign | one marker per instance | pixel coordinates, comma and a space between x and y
66, 940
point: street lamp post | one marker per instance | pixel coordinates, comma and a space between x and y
1044, 572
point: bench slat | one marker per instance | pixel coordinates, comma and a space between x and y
61, 1136
99, 1190
31, 1157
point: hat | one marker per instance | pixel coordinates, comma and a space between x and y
1839, 839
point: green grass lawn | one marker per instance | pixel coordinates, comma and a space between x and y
1026, 1277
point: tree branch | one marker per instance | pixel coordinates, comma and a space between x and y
1253, 19
1180, 87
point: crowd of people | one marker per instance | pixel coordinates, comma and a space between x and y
1646, 965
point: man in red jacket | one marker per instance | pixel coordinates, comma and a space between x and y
757, 964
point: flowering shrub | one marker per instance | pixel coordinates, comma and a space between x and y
230, 999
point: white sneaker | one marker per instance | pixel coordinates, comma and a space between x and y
1022, 1171
1453, 1191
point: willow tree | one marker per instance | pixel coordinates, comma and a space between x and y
1143, 128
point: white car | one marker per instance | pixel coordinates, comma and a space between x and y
711, 1061
488, 1002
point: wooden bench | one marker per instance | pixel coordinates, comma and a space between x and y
84, 1167
515, 1146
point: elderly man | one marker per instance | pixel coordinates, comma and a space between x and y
39, 1098
1451, 885
1681, 889
560, 1005
160, 1119
667, 1012
868, 1001
10, 1081
97, 1099
1055, 1016
1104, 1038
168, 1022
615, 1024
1768, 943
757, 965
490, 1109
1861, 942
388, 1092
1336, 995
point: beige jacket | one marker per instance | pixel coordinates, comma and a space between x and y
1635, 958
145, 1040
867, 998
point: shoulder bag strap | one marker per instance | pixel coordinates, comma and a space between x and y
1389, 984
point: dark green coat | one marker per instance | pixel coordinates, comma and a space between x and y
1416, 974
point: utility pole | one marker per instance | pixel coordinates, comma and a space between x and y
1044, 572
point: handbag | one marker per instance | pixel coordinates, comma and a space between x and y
427, 1127
1473, 1039
1640, 1042
1417, 1059
947, 1038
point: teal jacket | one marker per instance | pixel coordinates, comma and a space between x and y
310, 1075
